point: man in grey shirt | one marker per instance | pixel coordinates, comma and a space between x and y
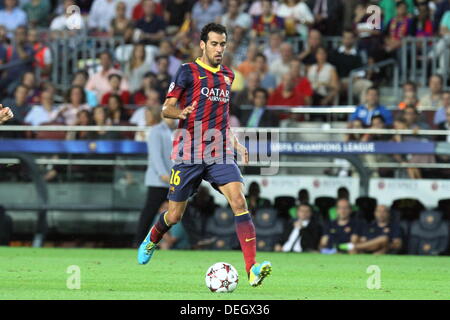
159, 148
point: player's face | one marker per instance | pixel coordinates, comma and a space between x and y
214, 48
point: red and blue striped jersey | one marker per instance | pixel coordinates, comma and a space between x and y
211, 89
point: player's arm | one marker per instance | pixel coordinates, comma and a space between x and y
171, 111
5, 114
241, 149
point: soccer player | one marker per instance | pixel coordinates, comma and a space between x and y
204, 148
5, 114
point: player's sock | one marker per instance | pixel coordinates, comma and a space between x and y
346, 246
159, 228
247, 238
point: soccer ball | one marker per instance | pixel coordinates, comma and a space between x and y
221, 277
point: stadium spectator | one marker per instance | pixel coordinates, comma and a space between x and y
308, 55
434, 98
238, 45
369, 37
371, 108
347, 58
268, 80
162, 72
12, 16
297, 17
19, 51
422, 25
159, 142
67, 112
409, 99
440, 48
41, 113
412, 118
267, 22
42, 54
116, 110
390, 10
115, 81
280, 66
380, 236
166, 49
248, 65
101, 14
176, 12
285, 94
303, 234
324, 80
377, 123
101, 117
137, 67
441, 114
302, 84
99, 82
235, 16
338, 234
205, 11
38, 12
398, 27
120, 23
138, 117
256, 7
80, 78
3, 44
259, 115
19, 105
412, 172
272, 50
62, 22
151, 28
445, 125
149, 83
138, 11
6, 227
246, 96
34, 92
254, 201
349, 9
327, 16
83, 118
354, 124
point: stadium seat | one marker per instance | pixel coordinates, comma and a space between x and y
407, 208
444, 207
282, 204
221, 227
269, 228
324, 204
366, 207
6, 227
429, 235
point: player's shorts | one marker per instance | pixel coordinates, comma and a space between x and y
186, 178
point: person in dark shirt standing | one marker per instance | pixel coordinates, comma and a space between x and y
343, 231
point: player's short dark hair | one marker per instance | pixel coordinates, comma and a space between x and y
304, 204
212, 27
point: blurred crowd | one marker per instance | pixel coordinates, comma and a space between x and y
277, 50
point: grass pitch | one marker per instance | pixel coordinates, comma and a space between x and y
28, 273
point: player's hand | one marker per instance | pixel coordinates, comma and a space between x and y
243, 152
165, 178
186, 111
5, 114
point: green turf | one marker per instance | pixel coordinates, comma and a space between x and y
27, 273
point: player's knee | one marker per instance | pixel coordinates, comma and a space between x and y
173, 218
238, 204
